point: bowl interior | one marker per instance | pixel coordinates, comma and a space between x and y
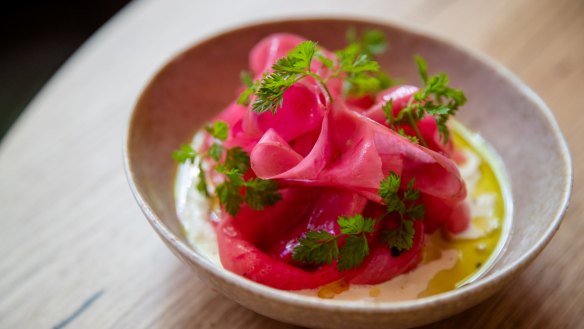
200, 82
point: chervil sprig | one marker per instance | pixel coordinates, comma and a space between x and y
400, 238
371, 41
317, 248
219, 129
229, 192
235, 190
215, 151
360, 71
260, 193
232, 163
435, 99
250, 88
202, 183
285, 73
405, 206
354, 64
185, 153
322, 247
412, 139
237, 158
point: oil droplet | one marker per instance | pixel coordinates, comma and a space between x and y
374, 292
332, 289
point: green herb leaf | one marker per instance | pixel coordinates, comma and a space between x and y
404, 204
229, 192
328, 63
353, 61
401, 238
234, 190
360, 71
434, 99
353, 252
412, 139
202, 183
285, 73
184, 153
270, 93
356, 224
215, 151
219, 129
246, 78
396, 202
371, 41
316, 247
388, 111
321, 247
410, 193
303, 54
395, 205
437, 99
237, 158
244, 97
389, 186
416, 212
260, 193
251, 86
422, 68
374, 41
357, 66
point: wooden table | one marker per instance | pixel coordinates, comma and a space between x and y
76, 252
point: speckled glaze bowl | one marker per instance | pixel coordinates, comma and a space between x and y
199, 82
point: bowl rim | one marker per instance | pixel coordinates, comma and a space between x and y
360, 305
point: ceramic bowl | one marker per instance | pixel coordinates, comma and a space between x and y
199, 82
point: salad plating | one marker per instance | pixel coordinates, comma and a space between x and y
325, 171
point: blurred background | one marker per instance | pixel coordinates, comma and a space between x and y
38, 37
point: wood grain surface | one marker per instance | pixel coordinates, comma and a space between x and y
75, 251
